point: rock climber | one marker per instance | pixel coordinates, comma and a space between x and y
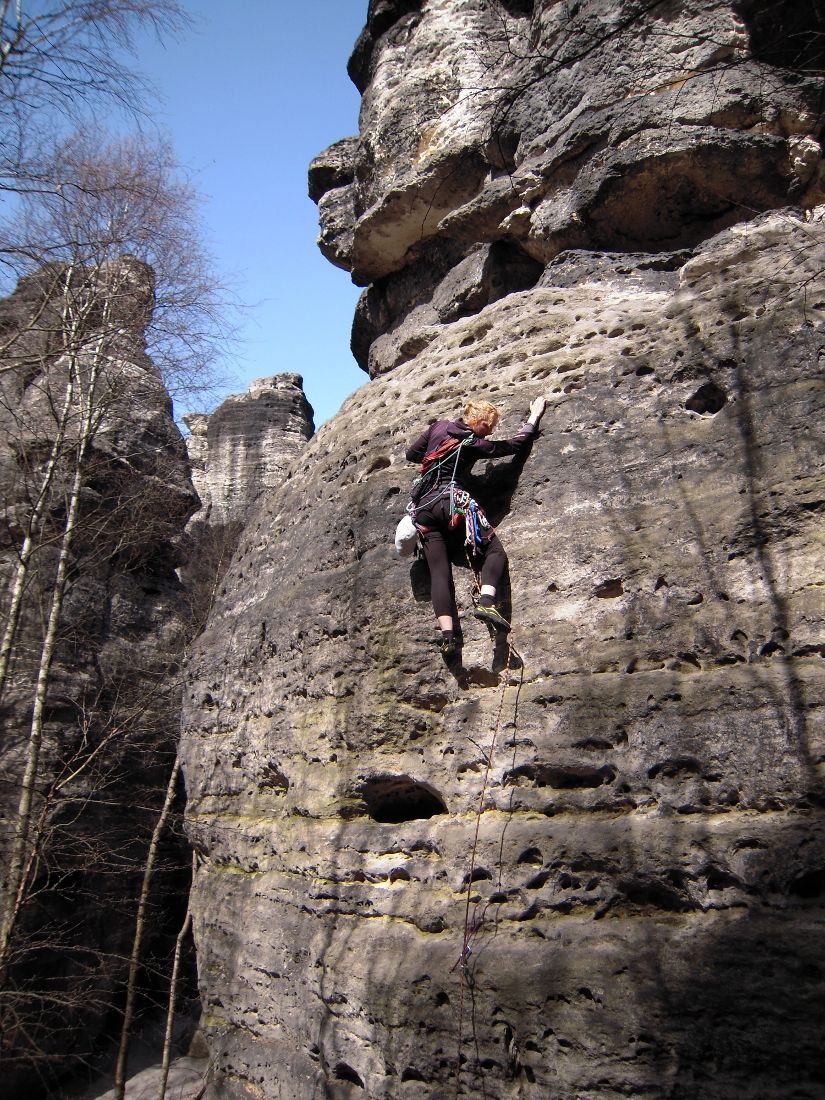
447, 452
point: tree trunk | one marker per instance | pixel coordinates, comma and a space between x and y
134, 962
29, 542
173, 991
18, 861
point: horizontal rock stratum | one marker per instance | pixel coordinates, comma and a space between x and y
650, 871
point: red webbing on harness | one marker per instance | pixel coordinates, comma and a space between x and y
440, 452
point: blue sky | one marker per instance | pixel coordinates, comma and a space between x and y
250, 97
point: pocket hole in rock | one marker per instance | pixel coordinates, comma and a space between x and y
380, 463
679, 768
809, 885
609, 590
537, 881
412, 1074
708, 399
594, 744
346, 1073
563, 777
392, 799
531, 855
480, 874
273, 778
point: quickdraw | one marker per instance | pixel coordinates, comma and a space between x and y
479, 528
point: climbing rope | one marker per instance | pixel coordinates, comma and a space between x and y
472, 926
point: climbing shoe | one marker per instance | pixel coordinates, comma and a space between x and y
492, 616
449, 650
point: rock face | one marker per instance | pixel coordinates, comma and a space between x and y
113, 696
244, 447
649, 889
550, 129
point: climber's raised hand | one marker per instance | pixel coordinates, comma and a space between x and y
537, 408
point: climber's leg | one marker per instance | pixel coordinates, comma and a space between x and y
495, 562
435, 551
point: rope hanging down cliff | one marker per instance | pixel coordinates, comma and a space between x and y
447, 452
474, 924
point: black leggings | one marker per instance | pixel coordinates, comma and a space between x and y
436, 517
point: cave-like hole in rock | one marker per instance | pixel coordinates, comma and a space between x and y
709, 398
809, 885
480, 874
531, 855
346, 1073
609, 590
392, 799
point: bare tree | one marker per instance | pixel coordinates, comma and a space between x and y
59, 59
111, 267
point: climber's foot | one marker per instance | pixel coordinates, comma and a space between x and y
492, 616
449, 651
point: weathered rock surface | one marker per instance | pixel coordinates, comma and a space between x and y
650, 873
244, 447
554, 128
652, 834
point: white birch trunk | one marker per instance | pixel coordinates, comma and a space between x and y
16, 885
134, 962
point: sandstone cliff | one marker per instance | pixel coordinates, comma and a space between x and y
620, 210
243, 449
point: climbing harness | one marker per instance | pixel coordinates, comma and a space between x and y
428, 484
428, 488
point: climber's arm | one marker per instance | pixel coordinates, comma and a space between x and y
518, 444
417, 450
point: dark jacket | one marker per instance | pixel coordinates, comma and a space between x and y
443, 430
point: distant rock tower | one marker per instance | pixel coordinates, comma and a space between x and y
245, 446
